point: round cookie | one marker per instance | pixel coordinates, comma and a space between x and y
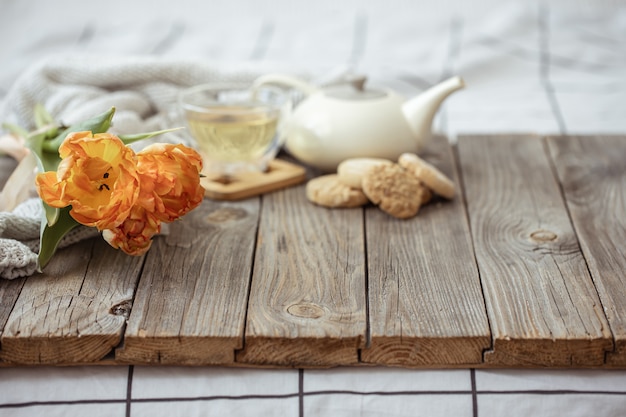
352, 170
395, 190
327, 191
427, 194
428, 174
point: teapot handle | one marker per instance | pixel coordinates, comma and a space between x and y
284, 81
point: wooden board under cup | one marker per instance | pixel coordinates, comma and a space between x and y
280, 174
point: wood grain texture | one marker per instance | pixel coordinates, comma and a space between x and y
76, 311
537, 231
9, 291
425, 300
307, 302
191, 301
592, 171
543, 307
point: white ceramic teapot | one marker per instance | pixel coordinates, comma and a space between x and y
347, 120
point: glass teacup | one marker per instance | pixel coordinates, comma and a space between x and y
235, 128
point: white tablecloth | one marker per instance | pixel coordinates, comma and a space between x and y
546, 68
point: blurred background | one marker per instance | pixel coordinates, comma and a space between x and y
529, 66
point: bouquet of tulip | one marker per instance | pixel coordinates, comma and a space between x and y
93, 178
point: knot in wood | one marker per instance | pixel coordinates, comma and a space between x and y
121, 309
306, 311
543, 236
226, 214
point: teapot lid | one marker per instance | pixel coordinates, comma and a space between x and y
354, 89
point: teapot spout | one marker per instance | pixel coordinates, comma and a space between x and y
420, 111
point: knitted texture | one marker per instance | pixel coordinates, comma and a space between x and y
143, 89
16, 259
19, 239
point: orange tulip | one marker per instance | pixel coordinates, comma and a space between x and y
169, 188
170, 180
134, 235
123, 194
97, 177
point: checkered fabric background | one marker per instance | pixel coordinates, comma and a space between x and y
213, 391
542, 67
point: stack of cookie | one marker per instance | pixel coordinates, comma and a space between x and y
399, 189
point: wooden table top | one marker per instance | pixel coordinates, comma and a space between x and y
525, 267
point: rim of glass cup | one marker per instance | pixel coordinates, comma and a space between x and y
281, 96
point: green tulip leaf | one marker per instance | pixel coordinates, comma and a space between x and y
127, 139
51, 235
42, 117
97, 124
34, 141
15, 129
52, 214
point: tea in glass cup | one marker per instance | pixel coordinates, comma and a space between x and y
235, 128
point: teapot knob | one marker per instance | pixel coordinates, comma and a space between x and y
352, 87
357, 81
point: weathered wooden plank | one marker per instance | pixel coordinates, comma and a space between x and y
191, 300
9, 291
426, 303
307, 301
307, 308
542, 305
592, 171
76, 311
